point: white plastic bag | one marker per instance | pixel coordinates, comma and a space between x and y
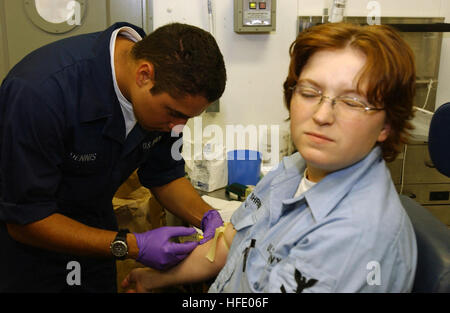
208, 173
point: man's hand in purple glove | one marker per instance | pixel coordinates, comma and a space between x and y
156, 251
210, 221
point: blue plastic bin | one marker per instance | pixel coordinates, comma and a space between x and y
244, 167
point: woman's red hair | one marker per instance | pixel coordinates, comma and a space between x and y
389, 72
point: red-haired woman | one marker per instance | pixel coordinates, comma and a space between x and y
328, 218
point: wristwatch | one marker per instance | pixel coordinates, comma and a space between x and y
119, 246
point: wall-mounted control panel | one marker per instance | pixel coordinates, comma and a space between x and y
254, 16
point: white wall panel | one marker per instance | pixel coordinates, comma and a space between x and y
257, 64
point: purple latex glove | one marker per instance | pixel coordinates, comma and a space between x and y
156, 251
210, 221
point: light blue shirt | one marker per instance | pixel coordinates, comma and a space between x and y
347, 233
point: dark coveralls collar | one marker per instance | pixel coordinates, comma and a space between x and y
100, 100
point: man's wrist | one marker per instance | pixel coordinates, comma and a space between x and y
133, 250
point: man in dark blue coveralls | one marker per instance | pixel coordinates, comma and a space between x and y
77, 117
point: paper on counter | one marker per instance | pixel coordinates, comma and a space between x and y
224, 207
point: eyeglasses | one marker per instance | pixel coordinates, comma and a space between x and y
311, 96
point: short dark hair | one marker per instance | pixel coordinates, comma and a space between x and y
389, 71
186, 60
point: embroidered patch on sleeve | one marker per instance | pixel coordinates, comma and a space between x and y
302, 283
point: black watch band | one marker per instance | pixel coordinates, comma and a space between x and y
122, 235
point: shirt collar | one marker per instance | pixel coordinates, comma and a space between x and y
285, 185
125, 105
335, 185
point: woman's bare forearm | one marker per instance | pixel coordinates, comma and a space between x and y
195, 268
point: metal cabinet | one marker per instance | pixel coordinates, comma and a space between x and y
24, 26
414, 175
